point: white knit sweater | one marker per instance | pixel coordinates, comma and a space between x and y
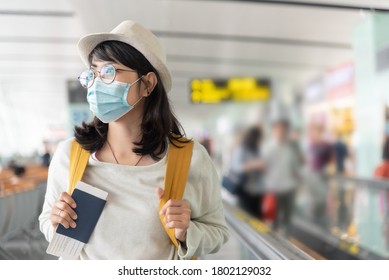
129, 226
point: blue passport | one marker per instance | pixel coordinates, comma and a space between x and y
88, 210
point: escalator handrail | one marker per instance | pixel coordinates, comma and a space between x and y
263, 243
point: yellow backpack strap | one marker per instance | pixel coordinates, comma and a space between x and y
78, 162
177, 168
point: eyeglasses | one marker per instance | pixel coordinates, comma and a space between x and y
107, 74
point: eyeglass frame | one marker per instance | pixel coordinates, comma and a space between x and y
95, 76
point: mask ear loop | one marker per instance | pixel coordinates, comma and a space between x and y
141, 96
137, 101
137, 80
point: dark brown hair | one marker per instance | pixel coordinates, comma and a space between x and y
252, 138
158, 122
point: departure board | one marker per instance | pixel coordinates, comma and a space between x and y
239, 89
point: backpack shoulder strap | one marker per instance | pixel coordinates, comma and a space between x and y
78, 162
177, 169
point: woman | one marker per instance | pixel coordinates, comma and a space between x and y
246, 160
127, 85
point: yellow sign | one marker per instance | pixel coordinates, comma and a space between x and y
233, 89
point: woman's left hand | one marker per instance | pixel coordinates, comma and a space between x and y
177, 215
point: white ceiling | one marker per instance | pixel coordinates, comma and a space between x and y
202, 38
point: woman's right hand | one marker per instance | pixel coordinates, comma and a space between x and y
62, 211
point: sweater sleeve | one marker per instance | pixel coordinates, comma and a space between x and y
57, 183
207, 230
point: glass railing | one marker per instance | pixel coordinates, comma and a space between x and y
252, 239
20, 237
350, 213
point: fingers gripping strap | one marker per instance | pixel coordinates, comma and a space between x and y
177, 169
78, 162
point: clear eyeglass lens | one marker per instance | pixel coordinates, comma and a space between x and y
86, 78
107, 74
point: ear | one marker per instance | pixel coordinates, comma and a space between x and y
150, 81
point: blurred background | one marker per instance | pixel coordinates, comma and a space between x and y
290, 98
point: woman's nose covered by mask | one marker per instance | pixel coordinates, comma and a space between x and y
109, 101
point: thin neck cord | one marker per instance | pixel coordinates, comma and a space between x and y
109, 145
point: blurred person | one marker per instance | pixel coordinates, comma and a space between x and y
338, 201
340, 153
382, 172
319, 157
17, 167
319, 150
295, 142
206, 141
127, 82
282, 173
246, 160
46, 157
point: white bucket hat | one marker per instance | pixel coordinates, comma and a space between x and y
137, 36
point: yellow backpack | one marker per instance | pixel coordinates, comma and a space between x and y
177, 168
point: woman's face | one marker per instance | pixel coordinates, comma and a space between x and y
129, 77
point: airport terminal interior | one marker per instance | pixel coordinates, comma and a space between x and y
299, 88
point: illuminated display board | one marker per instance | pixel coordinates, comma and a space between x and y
246, 89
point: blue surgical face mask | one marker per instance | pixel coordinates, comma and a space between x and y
109, 101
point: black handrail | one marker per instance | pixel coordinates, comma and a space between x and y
361, 182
